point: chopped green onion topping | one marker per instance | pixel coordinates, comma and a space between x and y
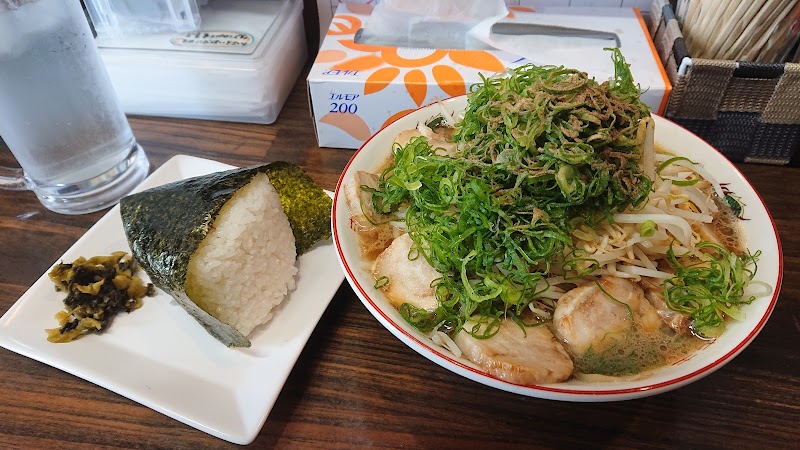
709, 286
538, 151
648, 228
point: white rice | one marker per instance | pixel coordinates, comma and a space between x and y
245, 266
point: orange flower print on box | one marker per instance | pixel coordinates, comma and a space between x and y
416, 70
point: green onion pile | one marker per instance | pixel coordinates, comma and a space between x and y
710, 286
540, 150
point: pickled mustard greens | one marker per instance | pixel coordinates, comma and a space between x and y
539, 150
97, 289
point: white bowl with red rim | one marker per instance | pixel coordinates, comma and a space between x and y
759, 230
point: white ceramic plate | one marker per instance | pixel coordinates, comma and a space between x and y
759, 230
162, 358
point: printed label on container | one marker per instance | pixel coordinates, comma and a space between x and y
237, 28
229, 39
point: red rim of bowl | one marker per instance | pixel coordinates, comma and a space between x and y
645, 389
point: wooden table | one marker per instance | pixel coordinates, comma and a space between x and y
355, 385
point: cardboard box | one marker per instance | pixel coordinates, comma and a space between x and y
356, 89
327, 8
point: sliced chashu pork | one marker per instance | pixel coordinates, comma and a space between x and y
593, 315
532, 356
438, 139
374, 231
654, 293
409, 280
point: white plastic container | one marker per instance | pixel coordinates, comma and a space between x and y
116, 18
240, 65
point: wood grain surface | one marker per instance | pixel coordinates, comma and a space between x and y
355, 385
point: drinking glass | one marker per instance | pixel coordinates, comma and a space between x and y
59, 113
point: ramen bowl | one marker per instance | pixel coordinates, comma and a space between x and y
759, 231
